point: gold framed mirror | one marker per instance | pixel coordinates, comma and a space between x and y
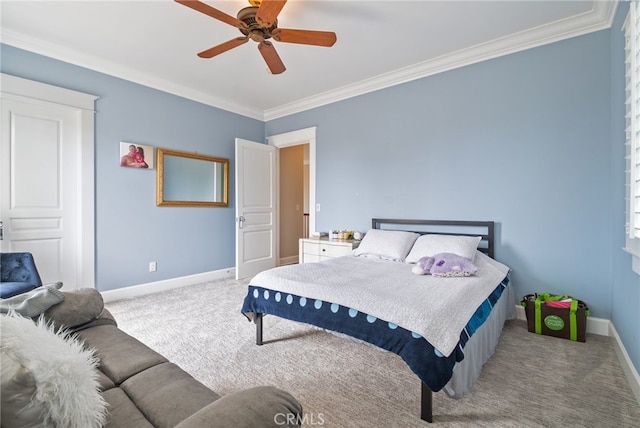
185, 179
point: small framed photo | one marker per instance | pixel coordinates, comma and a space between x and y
134, 155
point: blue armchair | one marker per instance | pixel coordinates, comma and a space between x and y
18, 274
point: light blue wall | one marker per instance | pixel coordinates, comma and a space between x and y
131, 230
523, 140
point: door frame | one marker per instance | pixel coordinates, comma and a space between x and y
295, 138
20, 89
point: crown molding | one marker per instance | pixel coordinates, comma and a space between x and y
100, 65
599, 18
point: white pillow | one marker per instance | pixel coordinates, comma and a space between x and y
429, 245
47, 378
386, 244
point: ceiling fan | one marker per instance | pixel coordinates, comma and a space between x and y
259, 22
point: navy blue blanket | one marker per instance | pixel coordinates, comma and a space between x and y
431, 366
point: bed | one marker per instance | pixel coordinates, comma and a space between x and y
374, 296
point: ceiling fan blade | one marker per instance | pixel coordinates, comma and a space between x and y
271, 57
305, 37
212, 12
268, 12
217, 50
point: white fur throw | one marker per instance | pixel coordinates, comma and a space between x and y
47, 378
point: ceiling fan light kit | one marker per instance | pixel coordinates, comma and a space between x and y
259, 22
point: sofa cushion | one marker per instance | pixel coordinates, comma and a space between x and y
121, 356
166, 394
262, 406
122, 412
104, 382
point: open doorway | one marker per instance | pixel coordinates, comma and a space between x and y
293, 200
296, 190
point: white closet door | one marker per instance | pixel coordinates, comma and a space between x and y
44, 187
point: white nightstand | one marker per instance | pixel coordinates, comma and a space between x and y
318, 249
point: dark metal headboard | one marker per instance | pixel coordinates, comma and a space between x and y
485, 229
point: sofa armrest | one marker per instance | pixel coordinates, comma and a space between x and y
105, 318
262, 406
79, 307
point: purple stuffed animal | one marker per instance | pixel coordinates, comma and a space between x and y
446, 265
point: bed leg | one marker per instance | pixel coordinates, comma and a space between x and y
258, 329
426, 403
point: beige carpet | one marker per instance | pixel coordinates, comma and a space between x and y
531, 380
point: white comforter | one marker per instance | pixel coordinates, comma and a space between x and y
436, 308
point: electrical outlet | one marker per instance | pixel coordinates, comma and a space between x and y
153, 266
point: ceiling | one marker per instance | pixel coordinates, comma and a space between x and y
380, 44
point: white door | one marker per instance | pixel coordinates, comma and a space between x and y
42, 188
255, 208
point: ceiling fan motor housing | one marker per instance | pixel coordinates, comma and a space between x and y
253, 29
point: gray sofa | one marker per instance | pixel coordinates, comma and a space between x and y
143, 389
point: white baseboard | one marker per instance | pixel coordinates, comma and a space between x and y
167, 284
629, 370
605, 327
291, 260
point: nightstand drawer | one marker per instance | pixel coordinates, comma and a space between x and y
330, 250
315, 250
